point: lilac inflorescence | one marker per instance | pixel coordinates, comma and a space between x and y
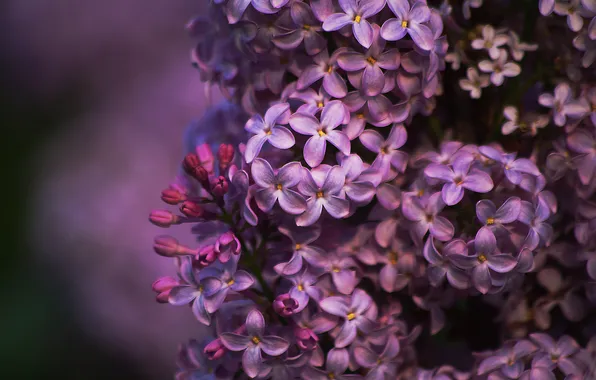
375, 216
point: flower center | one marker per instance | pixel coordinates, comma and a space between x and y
360, 115
201, 288
429, 218
420, 192
331, 376
383, 150
523, 127
300, 287
357, 19
458, 181
256, 340
481, 258
371, 60
268, 131
279, 186
350, 316
554, 358
320, 194
404, 24
306, 27
320, 104
490, 221
297, 247
231, 282
335, 269
322, 133
329, 69
392, 257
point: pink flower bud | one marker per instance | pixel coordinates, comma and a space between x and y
285, 305
172, 196
226, 245
206, 256
168, 246
225, 155
215, 350
192, 209
192, 166
205, 156
163, 218
219, 186
163, 286
306, 338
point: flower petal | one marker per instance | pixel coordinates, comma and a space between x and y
262, 173
281, 138
314, 150
274, 345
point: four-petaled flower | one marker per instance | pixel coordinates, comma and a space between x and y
269, 129
338, 360
389, 158
474, 83
487, 213
424, 215
491, 41
355, 12
410, 20
277, 186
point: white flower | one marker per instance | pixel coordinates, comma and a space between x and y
491, 41
499, 68
474, 83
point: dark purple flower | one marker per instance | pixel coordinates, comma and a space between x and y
301, 248
458, 177
353, 309
253, 343
389, 157
277, 186
342, 272
514, 168
192, 292
324, 67
219, 281
285, 305
379, 108
307, 30
381, 365
410, 20
556, 354
583, 142
243, 194
510, 359
425, 216
338, 361
322, 132
355, 12
540, 232
484, 259
268, 129
442, 267
357, 189
487, 213
562, 104
365, 69
322, 186
447, 151
304, 288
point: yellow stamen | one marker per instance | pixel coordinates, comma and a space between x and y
320, 194
360, 115
231, 282
420, 192
306, 27
297, 247
335, 269
392, 257
300, 287
481, 258
268, 131
331, 376
371, 60
320, 105
404, 24
256, 340
357, 19
351, 316
329, 69
279, 186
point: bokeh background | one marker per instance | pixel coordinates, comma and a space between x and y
95, 99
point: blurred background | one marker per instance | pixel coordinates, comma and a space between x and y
95, 99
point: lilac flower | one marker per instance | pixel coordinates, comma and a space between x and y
227, 245
321, 187
573, 10
513, 122
441, 266
381, 365
379, 108
342, 272
499, 68
269, 129
192, 292
559, 294
425, 216
304, 288
487, 213
470, 4
556, 354
353, 310
410, 20
277, 186
307, 30
458, 177
491, 41
546, 7
332, 116
355, 12
324, 67
514, 168
368, 76
314, 101
582, 141
518, 48
301, 248
484, 259
474, 83
243, 194
253, 343
357, 189
562, 104
447, 151
338, 360
510, 359
540, 232
219, 281
389, 157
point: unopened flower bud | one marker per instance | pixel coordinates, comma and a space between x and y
285, 305
172, 196
205, 156
163, 218
207, 255
192, 166
163, 286
215, 350
226, 245
305, 338
192, 209
168, 246
225, 155
219, 186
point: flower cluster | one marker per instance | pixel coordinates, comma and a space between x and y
379, 210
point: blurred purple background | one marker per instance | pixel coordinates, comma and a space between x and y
96, 97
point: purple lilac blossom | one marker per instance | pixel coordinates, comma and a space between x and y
410, 19
356, 13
